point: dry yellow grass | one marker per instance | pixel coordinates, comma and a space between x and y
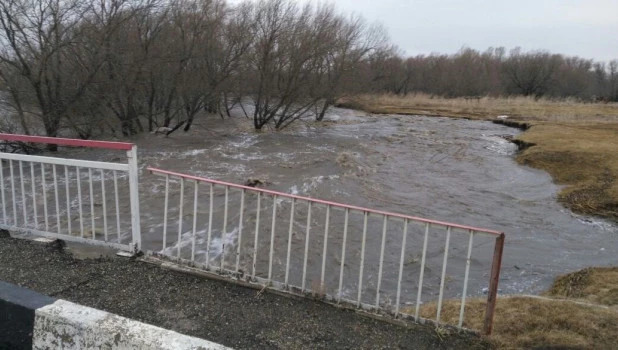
579, 311
527, 322
576, 143
597, 285
583, 156
486, 108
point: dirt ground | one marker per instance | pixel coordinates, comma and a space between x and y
214, 310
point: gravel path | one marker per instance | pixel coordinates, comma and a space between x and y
215, 310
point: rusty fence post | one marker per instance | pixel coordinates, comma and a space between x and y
493, 285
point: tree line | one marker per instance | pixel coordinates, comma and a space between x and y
496, 72
92, 67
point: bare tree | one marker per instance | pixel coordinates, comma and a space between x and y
225, 38
130, 56
531, 73
47, 61
345, 44
280, 63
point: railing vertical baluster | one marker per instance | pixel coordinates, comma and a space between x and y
165, 206
56, 195
224, 232
422, 274
193, 233
180, 215
13, 192
104, 200
362, 260
345, 239
290, 230
465, 286
68, 195
272, 239
91, 203
211, 207
44, 185
494, 279
36, 219
117, 205
257, 233
23, 192
4, 220
307, 235
403, 252
79, 199
443, 277
239, 243
133, 174
381, 265
326, 224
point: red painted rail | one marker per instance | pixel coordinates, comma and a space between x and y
352, 207
68, 142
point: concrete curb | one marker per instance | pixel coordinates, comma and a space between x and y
29, 320
17, 310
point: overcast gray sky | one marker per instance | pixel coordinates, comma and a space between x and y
585, 28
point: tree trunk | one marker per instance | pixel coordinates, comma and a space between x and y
189, 122
327, 103
51, 130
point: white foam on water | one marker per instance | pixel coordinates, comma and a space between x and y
243, 156
597, 223
311, 184
500, 145
246, 142
294, 190
193, 152
284, 156
217, 244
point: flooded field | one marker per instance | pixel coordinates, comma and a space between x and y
439, 168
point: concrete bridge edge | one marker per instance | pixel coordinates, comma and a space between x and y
29, 320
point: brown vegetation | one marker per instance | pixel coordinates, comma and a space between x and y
597, 285
581, 155
519, 108
528, 322
579, 311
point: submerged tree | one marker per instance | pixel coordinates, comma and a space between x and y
50, 58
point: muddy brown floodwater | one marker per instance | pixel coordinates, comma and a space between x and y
440, 168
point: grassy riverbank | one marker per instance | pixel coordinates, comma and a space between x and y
579, 311
576, 143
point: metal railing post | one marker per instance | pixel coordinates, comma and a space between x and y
493, 285
134, 198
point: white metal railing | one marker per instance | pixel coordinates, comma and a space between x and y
358, 257
71, 199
